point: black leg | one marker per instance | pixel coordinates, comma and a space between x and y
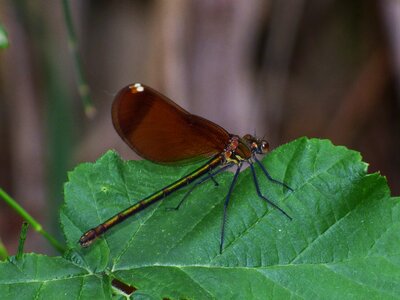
253, 172
200, 181
269, 176
228, 196
213, 179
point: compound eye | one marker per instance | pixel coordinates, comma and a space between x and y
264, 147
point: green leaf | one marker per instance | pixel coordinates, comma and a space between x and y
3, 38
41, 277
343, 241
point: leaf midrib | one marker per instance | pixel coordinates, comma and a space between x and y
255, 268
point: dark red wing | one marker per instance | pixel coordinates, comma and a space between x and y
159, 130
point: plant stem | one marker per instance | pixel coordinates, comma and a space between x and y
22, 238
28, 218
3, 251
83, 87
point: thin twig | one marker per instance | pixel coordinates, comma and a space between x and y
83, 87
3, 251
22, 238
28, 218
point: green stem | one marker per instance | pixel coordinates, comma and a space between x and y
28, 218
83, 87
3, 251
22, 238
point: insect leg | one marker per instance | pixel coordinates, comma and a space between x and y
269, 176
228, 196
255, 180
200, 181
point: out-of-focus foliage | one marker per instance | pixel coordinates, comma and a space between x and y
3, 38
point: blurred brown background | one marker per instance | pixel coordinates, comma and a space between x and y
282, 69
